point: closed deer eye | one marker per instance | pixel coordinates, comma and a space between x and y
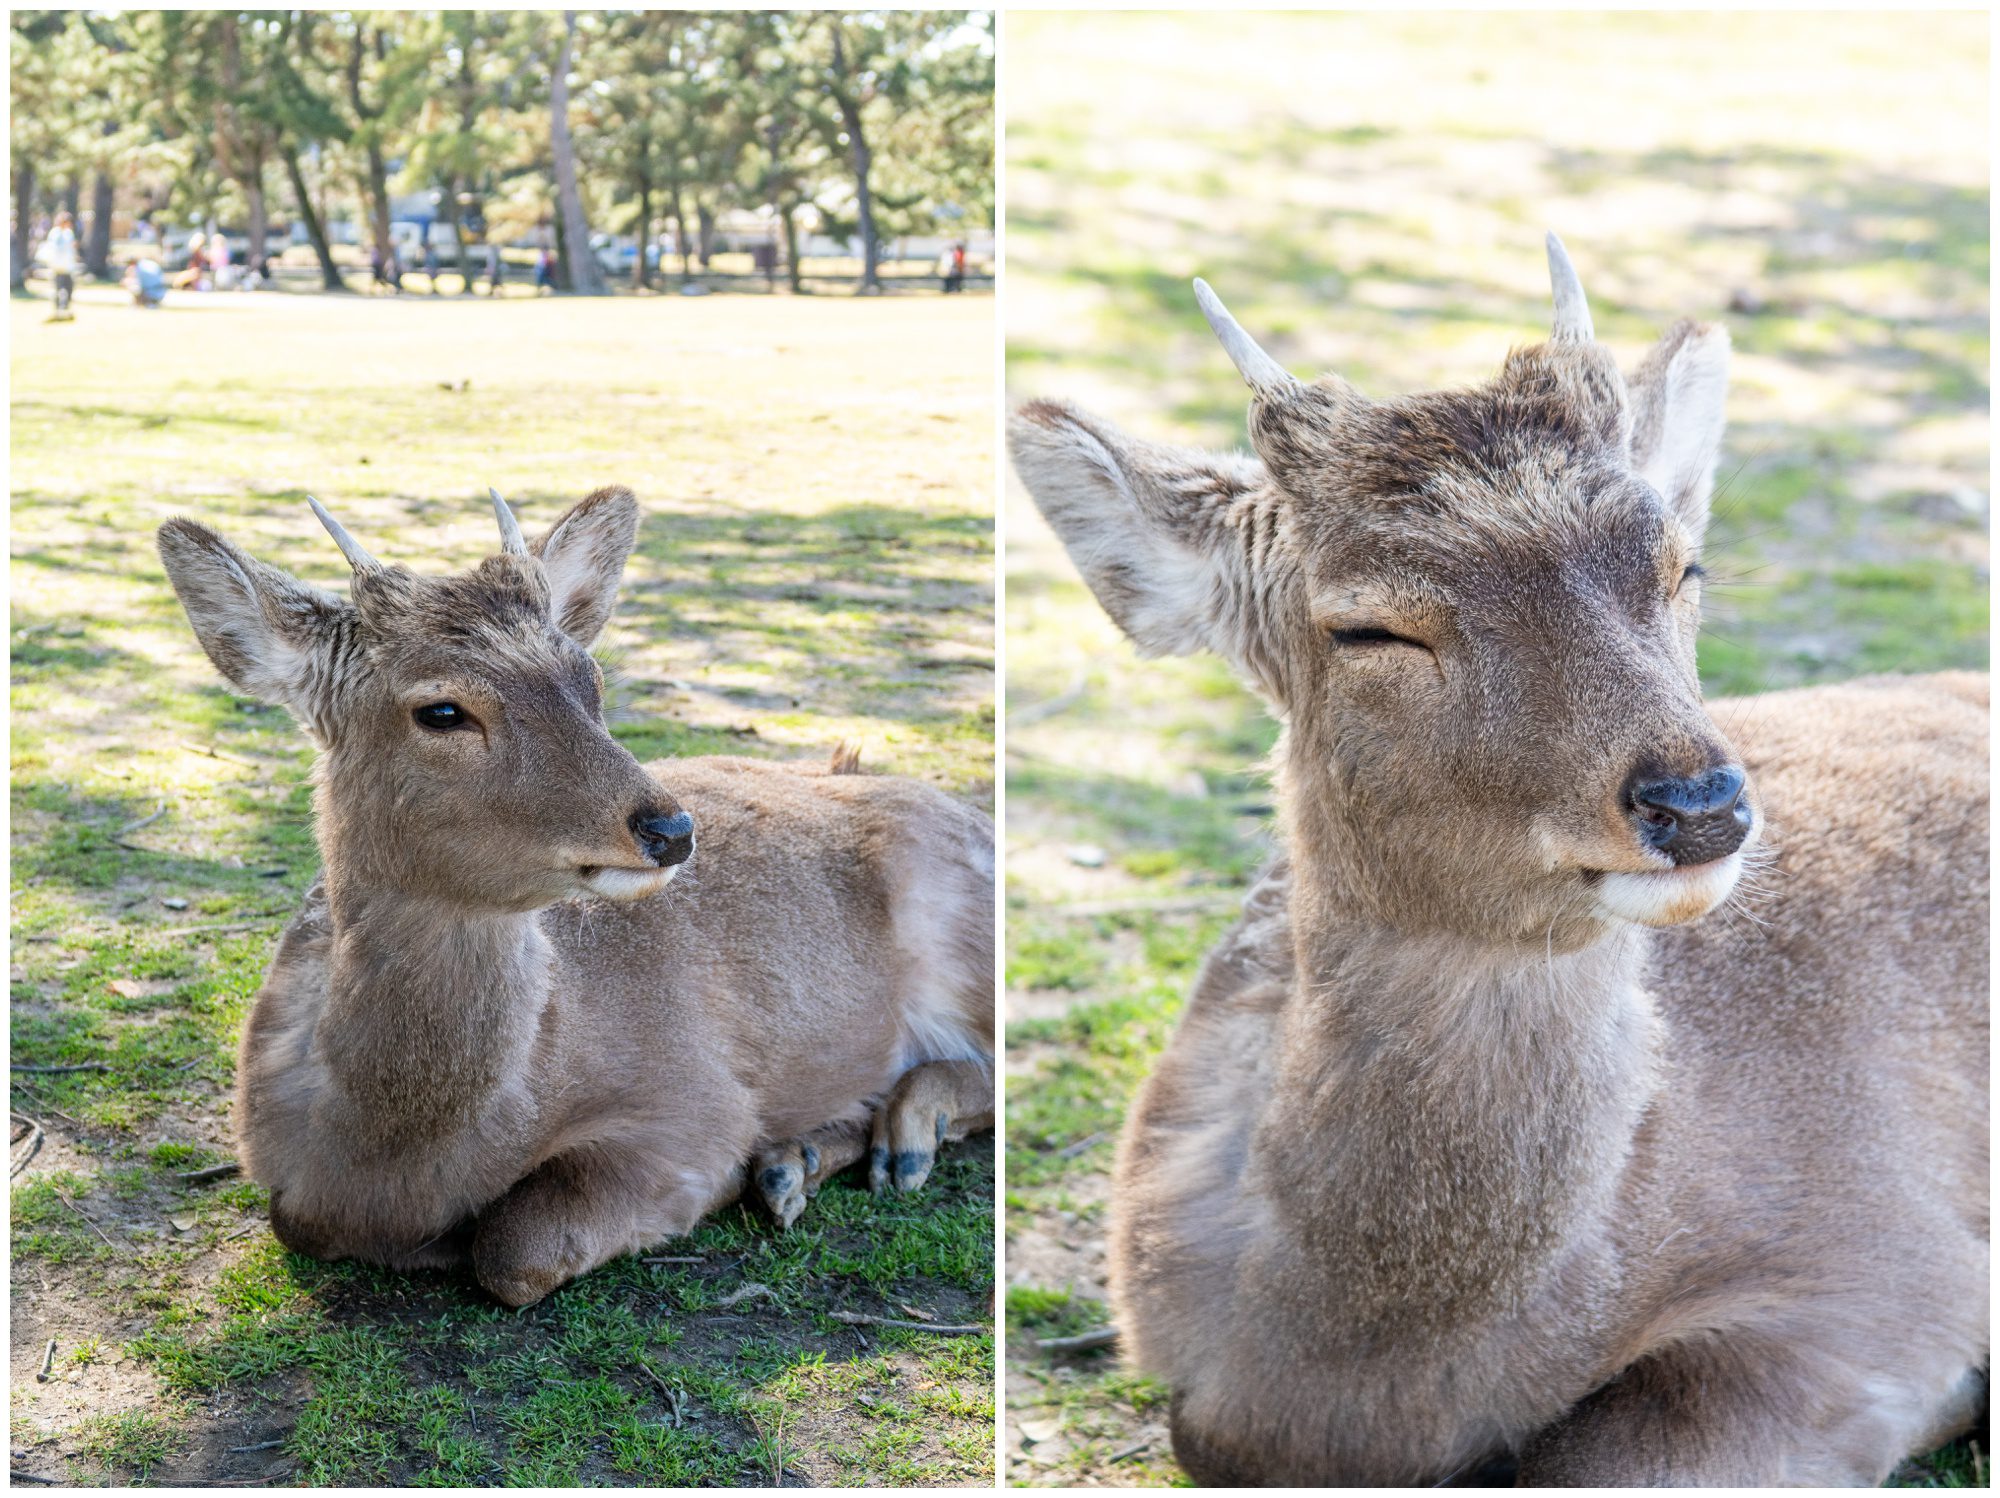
1694, 573
443, 717
1369, 634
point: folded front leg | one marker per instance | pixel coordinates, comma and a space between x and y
581, 1208
930, 1103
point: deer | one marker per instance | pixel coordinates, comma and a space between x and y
1594, 1084
519, 1021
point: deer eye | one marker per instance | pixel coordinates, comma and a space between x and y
1695, 572
1369, 634
442, 717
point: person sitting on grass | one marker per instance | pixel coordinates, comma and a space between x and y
145, 280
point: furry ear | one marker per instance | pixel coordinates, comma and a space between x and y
1164, 536
264, 629
584, 555
1678, 394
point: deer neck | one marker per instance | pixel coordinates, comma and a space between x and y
1452, 1118
431, 1012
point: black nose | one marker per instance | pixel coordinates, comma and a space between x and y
665, 840
1692, 819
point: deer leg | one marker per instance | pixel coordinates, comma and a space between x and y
931, 1102
576, 1211
785, 1176
1717, 1414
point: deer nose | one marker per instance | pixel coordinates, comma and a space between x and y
1692, 819
665, 840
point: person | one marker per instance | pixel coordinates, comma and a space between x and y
431, 262
545, 270
197, 266
493, 271
60, 252
956, 280
944, 269
145, 280
218, 261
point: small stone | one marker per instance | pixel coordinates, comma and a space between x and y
174, 902
1087, 856
1034, 1432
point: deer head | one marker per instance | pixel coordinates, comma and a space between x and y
464, 752
1474, 610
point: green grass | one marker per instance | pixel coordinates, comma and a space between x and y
815, 564
1831, 171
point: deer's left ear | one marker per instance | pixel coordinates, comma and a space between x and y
584, 555
1678, 394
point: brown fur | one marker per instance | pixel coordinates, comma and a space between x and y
1447, 1162
464, 1042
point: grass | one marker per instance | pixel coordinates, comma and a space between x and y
1828, 174
815, 564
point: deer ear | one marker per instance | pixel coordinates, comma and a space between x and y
1678, 394
584, 555
1161, 534
264, 629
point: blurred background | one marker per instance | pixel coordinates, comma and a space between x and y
814, 564
421, 151
1368, 193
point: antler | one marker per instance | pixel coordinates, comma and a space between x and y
511, 540
357, 558
1572, 324
1264, 374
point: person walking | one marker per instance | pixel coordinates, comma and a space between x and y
493, 271
61, 256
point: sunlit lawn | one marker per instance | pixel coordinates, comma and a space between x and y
815, 564
1369, 194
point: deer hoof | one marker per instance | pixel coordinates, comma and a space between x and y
785, 1177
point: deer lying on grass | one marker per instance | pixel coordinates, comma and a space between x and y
498, 1026
1454, 1159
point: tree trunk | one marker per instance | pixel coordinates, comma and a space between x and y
97, 251
705, 231
329, 273
583, 273
457, 237
680, 235
23, 247
792, 248
260, 217
863, 160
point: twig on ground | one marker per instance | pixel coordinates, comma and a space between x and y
93, 1226
209, 1173
48, 1362
751, 1291
675, 1400
34, 1138
1157, 905
1129, 1452
48, 1106
78, 1066
675, 1259
1071, 1151
158, 812
1048, 707
942, 1328
224, 925
213, 753
1090, 1341
260, 1446
17, 1475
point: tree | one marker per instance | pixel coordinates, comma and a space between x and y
580, 266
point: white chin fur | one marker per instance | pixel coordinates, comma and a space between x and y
1671, 896
629, 884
